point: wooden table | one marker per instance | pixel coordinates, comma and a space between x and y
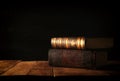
42, 68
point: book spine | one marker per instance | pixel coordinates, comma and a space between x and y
68, 42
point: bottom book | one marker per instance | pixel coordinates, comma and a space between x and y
77, 58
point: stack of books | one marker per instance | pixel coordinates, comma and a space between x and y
79, 52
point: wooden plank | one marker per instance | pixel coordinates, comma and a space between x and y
41, 68
22, 68
7, 64
58, 71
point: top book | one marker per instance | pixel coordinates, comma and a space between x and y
81, 43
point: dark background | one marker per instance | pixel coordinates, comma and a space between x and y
26, 28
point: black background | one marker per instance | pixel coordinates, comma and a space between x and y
26, 28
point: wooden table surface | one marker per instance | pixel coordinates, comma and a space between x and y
42, 68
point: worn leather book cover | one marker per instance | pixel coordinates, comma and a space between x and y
76, 58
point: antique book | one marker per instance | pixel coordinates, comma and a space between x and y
77, 58
82, 43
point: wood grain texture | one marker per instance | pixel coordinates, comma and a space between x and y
79, 72
7, 64
21, 68
42, 68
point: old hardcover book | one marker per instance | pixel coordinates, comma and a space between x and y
82, 43
77, 58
